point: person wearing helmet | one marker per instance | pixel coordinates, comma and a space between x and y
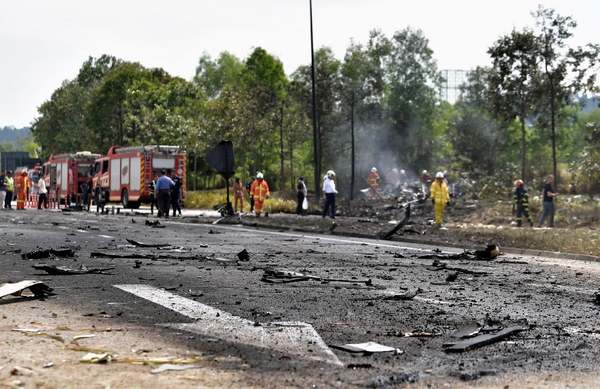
330, 192
425, 181
440, 197
260, 192
373, 180
521, 203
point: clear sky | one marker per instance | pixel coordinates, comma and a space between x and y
43, 42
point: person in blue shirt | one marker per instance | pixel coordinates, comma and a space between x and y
164, 184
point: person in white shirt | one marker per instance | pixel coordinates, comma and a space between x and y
42, 193
330, 192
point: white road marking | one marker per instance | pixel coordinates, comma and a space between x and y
304, 236
295, 338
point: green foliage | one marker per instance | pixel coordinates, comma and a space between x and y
388, 87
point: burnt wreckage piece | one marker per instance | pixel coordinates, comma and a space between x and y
482, 340
49, 253
277, 276
64, 270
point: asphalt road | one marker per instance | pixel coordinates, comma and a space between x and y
212, 302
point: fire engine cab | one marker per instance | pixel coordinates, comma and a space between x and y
126, 174
64, 174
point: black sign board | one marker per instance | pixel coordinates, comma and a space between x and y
221, 159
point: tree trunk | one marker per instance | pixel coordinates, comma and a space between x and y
523, 149
353, 148
195, 171
292, 178
552, 119
316, 129
281, 152
553, 135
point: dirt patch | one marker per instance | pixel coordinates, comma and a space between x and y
42, 347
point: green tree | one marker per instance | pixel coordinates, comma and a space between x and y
567, 71
512, 80
213, 75
412, 84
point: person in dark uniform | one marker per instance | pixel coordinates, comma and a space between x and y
164, 184
152, 189
521, 203
86, 190
176, 194
548, 195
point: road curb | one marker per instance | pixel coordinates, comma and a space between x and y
430, 242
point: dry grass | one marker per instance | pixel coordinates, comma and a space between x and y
209, 199
579, 241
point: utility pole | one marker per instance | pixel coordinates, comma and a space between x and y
353, 146
316, 135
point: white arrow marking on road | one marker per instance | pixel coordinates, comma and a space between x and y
295, 338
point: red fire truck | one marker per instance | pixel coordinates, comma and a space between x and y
64, 174
125, 174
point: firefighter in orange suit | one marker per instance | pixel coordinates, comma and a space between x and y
260, 191
21, 185
373, 181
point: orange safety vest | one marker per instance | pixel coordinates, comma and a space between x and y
260, 190
373, 179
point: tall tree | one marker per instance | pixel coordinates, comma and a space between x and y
413, 83
567, 71
361, 86
512, 79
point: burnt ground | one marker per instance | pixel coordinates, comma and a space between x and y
553, 298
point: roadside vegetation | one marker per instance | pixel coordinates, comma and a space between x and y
210, 199
528, 112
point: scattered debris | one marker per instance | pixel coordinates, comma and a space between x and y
451, 277
64, 270
153, 257
394, 380
597, 298
492, 251
244, 255
472, 376
147, 245
287, 276
171, 367
21, 371
48, 365
367, 348
86, 336
96, 358
355, 366
154, 224
49, 253
38, 288
468, 331
482, 340
386, 235
438, 265
405, 296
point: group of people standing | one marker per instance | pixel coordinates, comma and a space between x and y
258, 191
20, 187
521, 203
165, 193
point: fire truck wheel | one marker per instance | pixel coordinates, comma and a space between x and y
125, 198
